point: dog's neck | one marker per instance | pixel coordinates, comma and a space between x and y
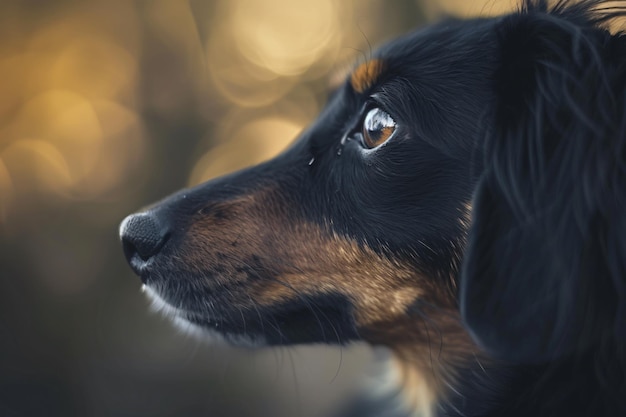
431, 350
449, 376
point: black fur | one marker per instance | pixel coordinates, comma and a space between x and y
545, 268
549, 196
521, 116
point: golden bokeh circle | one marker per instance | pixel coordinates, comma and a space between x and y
254, 142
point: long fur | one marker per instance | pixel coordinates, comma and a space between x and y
483, 242
543, 281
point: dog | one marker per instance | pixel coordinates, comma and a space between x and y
461, 200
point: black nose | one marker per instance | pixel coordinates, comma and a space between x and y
143, 236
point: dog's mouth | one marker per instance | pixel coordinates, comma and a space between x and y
319, 319
202, 325
139, 266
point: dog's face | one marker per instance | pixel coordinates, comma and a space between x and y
359, 229
359, 223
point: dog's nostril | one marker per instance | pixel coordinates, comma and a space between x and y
142, 234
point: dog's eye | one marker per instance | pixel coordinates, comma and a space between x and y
378, 126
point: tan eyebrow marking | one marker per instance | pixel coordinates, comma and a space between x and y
365, 75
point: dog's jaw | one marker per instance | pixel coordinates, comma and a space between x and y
184, 322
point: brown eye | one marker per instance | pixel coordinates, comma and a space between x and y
378, 127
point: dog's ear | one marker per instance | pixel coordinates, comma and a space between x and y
544, 273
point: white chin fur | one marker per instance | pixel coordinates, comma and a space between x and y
159, 305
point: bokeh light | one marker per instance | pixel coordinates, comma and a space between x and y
465, 8
285, 37
68, 122
255, 142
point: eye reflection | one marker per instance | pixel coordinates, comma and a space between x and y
378, 127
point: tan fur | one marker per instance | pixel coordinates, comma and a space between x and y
256, 232
366, 74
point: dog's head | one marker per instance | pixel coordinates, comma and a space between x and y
357, 226
360, 229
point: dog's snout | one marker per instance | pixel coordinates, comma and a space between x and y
143, 236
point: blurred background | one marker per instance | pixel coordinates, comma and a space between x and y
108, 105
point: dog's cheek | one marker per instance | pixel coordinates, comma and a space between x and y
314, 263
281, 259
266, 257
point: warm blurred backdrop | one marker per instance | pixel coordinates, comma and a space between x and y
108, 105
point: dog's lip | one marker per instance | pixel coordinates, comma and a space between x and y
177, 313
161, 304
140, 267
200, 320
